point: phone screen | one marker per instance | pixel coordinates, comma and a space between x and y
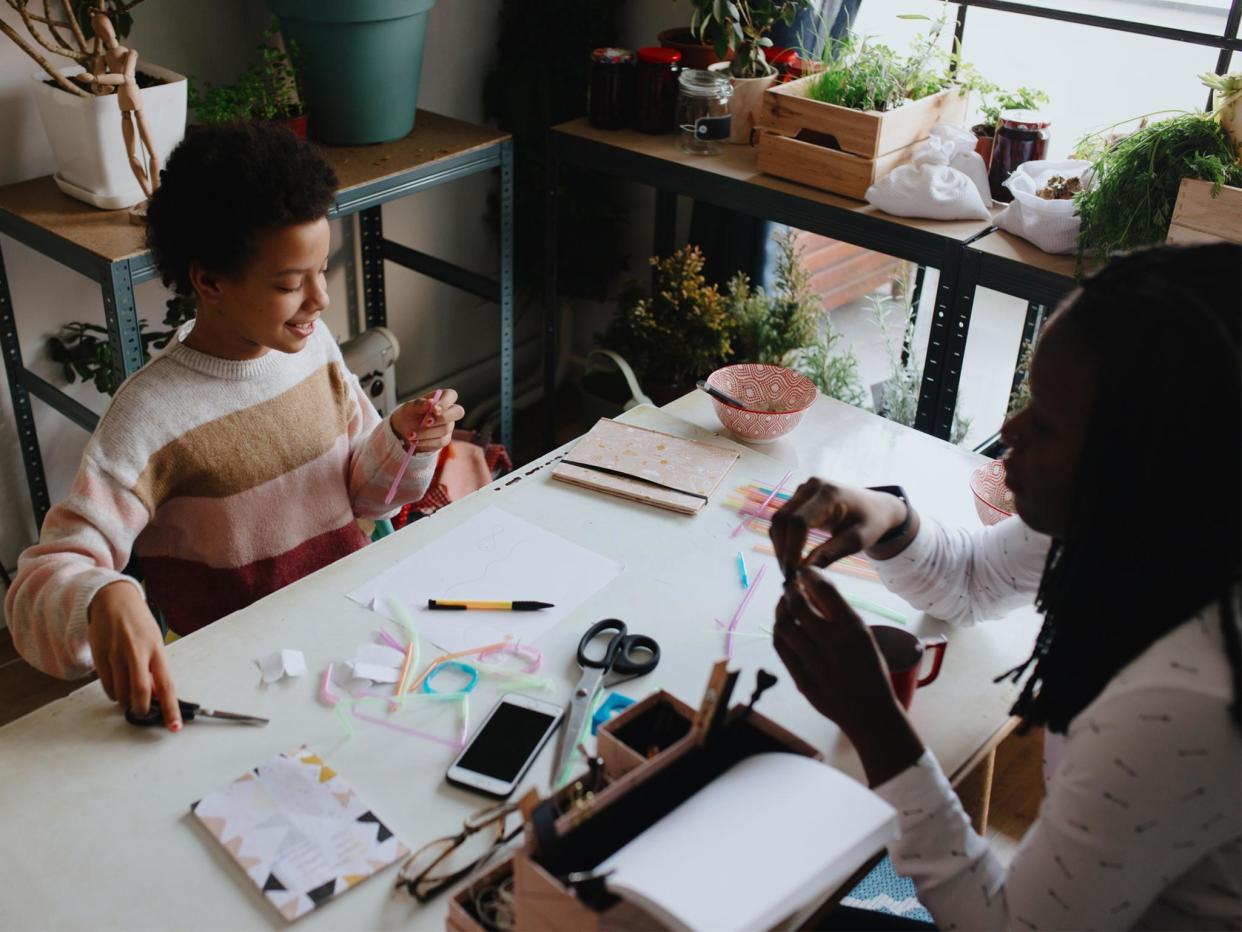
506, 741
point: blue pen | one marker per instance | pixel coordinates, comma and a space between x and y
741, 568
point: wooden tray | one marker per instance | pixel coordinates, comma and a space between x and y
866, 133
1198, 217
820, 166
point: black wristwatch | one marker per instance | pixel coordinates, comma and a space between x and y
901, 529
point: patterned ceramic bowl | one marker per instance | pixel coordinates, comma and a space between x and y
775, 399
993, 499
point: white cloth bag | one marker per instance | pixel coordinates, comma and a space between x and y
1051, 225
945, 180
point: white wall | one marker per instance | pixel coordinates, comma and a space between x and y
440, 330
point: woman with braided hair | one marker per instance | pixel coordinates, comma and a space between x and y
1127, 481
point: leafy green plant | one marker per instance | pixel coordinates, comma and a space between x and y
768, 326
267, 90
865, 75
994, 101
1129, 199
679, 334
789, 328
898, 397
741, 27
833, 369
83, 350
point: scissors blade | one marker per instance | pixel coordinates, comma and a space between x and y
579, 708
233, 717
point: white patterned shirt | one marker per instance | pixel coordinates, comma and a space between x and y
1142, 824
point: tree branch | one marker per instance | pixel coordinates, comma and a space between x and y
40, 60
34, 32
78, 35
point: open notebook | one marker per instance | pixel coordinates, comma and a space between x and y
646, 466
772, 835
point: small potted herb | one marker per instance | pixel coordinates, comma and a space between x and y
268, 90
992, 103
739, 30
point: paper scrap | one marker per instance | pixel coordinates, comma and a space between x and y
380, 654
375, 672
491, 555
282, 663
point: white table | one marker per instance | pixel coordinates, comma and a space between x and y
95, 813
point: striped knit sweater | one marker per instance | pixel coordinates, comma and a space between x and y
226, 479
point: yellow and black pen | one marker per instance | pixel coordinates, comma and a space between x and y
461, 605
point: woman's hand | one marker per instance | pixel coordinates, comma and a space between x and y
856, 519
436, 435
129, 654
836, 665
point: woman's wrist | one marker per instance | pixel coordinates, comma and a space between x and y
888, 746
899, 512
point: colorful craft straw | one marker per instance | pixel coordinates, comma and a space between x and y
741, 524
737, 616
413, 441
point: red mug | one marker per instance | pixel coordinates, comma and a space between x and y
903, 654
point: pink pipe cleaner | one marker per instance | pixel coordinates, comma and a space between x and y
409, 453
737, 616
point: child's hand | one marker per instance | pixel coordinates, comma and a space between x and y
129, 652
439, 430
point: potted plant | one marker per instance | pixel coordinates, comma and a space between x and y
788, 327
110, 123
992, 103
695, 52
359, 64
268, 90
677, 335
84, 352
1129, 196
740, 27
860, 113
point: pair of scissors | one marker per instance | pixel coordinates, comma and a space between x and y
189, 711
618, 657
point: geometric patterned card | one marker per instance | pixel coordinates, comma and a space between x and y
299, 831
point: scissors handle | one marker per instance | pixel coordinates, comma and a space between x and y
627, 664
619, 654
155, 714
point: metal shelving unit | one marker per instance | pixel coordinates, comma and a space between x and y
108, 249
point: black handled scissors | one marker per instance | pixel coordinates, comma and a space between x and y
619, 657
189, 711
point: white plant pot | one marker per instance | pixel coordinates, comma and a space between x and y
92, 163
746, 103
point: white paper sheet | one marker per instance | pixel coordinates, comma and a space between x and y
493, 555
282, 663
757, 844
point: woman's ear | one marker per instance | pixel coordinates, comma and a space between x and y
206, 284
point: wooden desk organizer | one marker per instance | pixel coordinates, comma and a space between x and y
655, 756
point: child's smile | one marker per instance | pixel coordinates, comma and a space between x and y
272, 303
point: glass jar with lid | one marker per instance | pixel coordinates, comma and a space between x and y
1021, 137
703, 111
656, 103
611, 104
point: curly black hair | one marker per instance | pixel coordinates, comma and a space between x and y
1155, 527
223, 184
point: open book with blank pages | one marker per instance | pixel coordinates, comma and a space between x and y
646, 466
774, 834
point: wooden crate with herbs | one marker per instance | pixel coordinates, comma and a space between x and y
840, 149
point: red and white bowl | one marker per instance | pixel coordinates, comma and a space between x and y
993, 498
775, 400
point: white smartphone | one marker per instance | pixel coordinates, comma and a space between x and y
505, 746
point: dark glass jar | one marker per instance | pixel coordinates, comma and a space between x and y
612, 88
1021, 137
657, 89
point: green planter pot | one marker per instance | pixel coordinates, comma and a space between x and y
359, 61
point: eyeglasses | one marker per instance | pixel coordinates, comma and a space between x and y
441, 863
